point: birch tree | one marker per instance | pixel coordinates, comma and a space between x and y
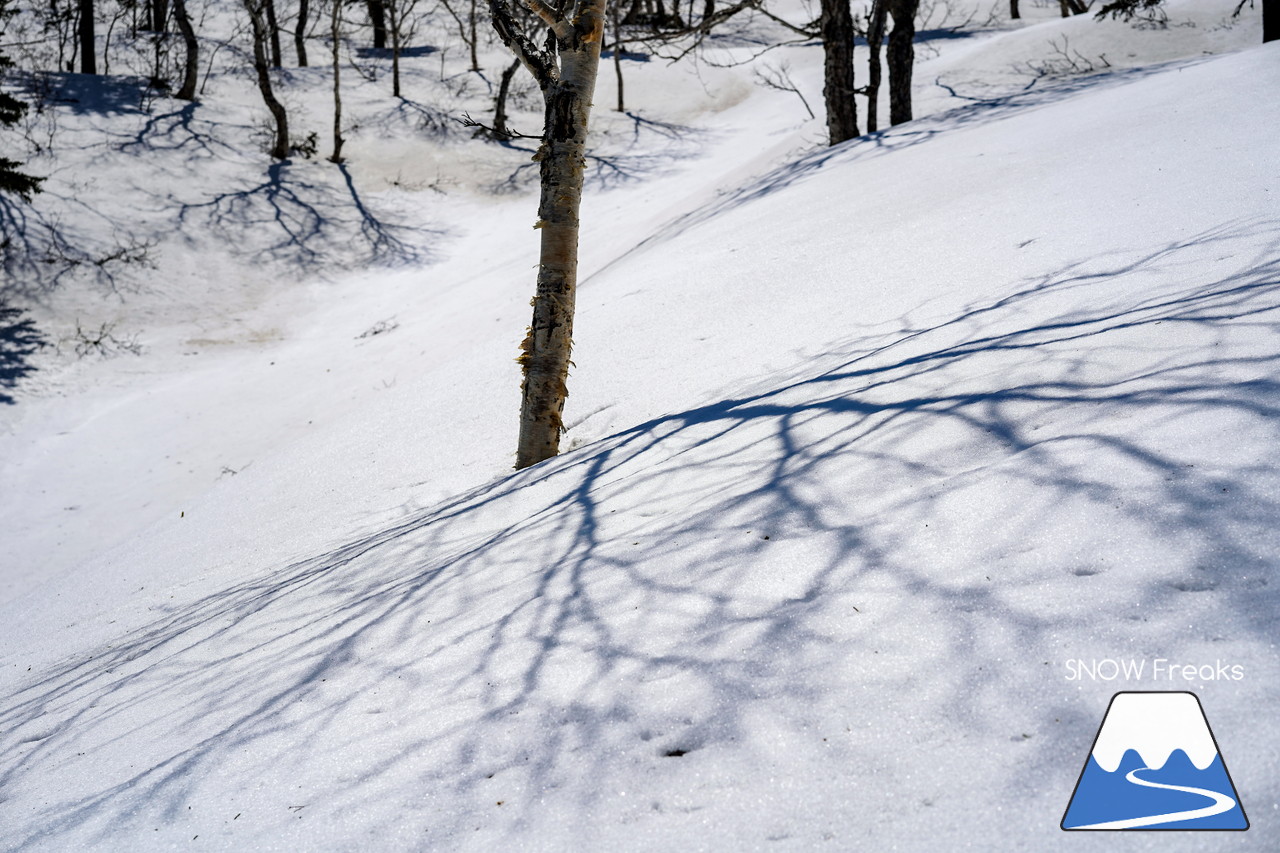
565, 68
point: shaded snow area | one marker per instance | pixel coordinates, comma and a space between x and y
868, 444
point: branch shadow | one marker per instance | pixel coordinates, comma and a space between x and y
307, 225
975, 110
39, 252
758, 571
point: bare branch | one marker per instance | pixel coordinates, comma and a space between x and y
468, 121
779, 77
553, 19
811, 31
540, 64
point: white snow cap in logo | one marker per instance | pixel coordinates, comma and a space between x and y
1154, 724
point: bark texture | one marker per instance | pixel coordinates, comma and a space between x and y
901, 58
837, 88
568, 79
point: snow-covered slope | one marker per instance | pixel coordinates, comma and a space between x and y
869, 441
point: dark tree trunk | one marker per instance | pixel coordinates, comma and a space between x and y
901, 58
300, 32
1270, 20
708, 11
393, 18
273, 32
617, 54
88, 50
191, 71
335, 36
378, 17
837, 88
280, 147
875, 40
500, 102
473, 40
159, 15
1013, 10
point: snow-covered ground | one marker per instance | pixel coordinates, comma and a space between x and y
867, 444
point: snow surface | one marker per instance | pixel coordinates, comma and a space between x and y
867, 443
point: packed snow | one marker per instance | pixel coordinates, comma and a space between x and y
866, 444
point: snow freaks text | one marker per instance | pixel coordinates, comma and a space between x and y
1157, 669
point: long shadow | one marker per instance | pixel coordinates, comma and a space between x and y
92, 94
306, 225
19, 340
764, 562
974, 110
38, 252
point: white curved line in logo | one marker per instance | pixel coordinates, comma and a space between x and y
1221, 803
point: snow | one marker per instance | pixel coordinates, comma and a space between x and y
866, 444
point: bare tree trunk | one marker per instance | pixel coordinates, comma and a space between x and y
617, 54
500, 101
1270, 20
1066, 10
300, 32
1013, 10
472, 41
88, 50
378, 17
568, 79
837, 88
901, 58
159, 15
875, 40
280, 148
159, 11
393, 18
273, 32
191, 70
335, 37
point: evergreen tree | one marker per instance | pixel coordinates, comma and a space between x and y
11, 111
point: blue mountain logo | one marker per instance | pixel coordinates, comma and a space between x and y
1155, 765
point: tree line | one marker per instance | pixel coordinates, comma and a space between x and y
558, 42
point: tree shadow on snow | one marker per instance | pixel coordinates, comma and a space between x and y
307, 225
574, 628
973, 110
19, 340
